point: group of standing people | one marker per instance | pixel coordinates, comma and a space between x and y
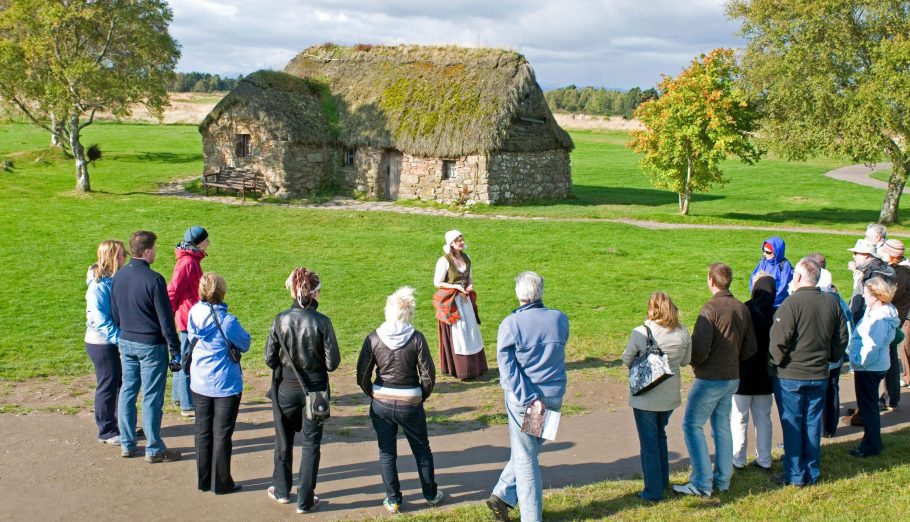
138, 327
786, 344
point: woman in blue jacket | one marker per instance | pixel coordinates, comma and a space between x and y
870, 360
101, 338
775, 264
216, 382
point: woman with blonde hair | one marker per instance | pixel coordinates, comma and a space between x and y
404, 379
216, 382
870, 360
301, 351
652, 409
102, 336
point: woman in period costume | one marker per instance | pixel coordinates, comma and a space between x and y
460, 344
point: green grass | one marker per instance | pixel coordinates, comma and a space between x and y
600, 274
872, 489
607, 183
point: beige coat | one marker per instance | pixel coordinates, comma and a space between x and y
677, 345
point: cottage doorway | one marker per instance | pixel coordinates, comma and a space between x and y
392, 173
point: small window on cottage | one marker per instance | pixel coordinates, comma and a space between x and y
242, 145
349, 157
448, 169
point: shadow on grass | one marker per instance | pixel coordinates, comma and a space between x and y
820, 216
161, 157
590, 195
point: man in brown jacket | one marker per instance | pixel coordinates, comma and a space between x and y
721, 338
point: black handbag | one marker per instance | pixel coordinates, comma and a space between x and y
650, 368
233, 352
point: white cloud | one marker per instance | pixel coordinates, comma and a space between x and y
611, 43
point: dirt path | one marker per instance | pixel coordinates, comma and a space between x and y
51, 467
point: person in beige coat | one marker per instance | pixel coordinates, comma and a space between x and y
653, 408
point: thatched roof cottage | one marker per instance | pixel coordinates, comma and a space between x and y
445, 124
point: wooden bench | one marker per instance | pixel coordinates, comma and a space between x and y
232, 178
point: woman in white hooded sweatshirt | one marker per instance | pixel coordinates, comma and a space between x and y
404, 378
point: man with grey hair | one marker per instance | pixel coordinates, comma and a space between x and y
530, 349
809, 332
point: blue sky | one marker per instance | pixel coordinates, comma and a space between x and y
606, 43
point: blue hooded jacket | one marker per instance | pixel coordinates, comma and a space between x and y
98, 322
212, 372
779, 268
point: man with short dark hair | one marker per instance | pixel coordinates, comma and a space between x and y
809, 332
141, 308
722, 337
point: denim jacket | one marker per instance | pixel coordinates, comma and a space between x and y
99, 326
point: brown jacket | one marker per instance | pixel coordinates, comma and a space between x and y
721, 338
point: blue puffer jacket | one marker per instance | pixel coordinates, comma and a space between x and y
212, 372
779, 268
99, 326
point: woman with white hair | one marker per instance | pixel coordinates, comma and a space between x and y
404, 378
460, 344
301, 351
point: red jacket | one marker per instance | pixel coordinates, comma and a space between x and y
183, 290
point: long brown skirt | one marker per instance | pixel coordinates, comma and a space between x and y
458, 366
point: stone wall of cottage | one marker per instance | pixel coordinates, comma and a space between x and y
288, 169
515, 177
422, 178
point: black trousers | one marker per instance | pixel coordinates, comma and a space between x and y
831, 415
867, 402
288, 411
892, 395
216, 418
108, 377
387, 417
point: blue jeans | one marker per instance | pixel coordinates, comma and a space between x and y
144, 365
180, 390
386, 418
801, 405
520, 483
655, 461
710, 400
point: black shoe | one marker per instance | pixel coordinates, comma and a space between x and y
759, 466
232, 489
781, 480
499, 508
738, 468
858, 453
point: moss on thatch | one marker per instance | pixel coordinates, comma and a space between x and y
429, 101
293, 108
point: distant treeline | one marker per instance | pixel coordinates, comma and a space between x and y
601, 101
201, 82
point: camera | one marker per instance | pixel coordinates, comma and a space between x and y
174, 364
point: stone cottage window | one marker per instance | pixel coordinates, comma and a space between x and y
349, 157
448, 169
242, 145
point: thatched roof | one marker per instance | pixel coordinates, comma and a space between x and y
430, 101
291, 108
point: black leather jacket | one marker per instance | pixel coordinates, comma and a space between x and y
407, 367
310, 339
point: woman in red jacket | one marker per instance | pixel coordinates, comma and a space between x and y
183, 291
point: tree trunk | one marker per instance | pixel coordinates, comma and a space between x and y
686, 195
896, 182
56, 132
82, 181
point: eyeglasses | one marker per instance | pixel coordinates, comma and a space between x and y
767, 252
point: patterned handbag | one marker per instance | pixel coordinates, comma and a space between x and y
650, 368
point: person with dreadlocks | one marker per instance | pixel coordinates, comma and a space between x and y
301, 350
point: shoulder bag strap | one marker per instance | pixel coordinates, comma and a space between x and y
294, 367
218, 323
652, 344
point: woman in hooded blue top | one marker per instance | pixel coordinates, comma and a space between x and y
775, 263
216, 382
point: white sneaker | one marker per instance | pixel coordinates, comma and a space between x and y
113, 441
314, 507
690, 489
271, 493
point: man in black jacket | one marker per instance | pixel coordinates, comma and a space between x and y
141, 308
809, 332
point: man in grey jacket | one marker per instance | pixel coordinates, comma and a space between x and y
809, 331
531, 351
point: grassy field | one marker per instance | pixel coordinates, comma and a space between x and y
600, 274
